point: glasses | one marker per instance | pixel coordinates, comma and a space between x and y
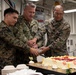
58, 13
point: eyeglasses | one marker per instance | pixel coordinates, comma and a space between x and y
58, 13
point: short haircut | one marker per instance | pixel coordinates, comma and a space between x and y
10, 10
30, 4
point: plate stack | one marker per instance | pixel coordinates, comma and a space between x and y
8, 69
21, 66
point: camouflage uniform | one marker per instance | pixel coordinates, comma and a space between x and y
8, 45
25, 31
58, 33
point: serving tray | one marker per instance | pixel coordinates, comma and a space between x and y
46, 70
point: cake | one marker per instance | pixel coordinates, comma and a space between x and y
60, 62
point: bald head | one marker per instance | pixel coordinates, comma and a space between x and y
58, 12
58, 7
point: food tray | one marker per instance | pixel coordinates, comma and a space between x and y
46, 70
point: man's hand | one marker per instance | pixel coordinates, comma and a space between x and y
44, 49
32, 43
34, 51
35, 46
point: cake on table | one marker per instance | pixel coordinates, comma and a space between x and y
60, 62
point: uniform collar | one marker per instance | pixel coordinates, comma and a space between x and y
57, 23
4, 24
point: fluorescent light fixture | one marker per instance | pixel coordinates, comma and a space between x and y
69, 11
33, 0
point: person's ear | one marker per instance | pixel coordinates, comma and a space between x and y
7, 15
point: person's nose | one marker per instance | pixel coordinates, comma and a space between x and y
15, 20
32, 14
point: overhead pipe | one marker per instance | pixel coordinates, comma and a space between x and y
43, 7
8, 3
72, 1
12, 5
21, 8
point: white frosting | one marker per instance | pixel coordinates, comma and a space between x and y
62, 64
54, 66
31, 62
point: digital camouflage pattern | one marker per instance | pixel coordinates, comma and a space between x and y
58, 33
25, 31
9, 45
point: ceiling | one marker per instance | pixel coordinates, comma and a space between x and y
67, 4
48, 4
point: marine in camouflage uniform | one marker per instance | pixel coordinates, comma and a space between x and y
58, 33
9, 44
26, 31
